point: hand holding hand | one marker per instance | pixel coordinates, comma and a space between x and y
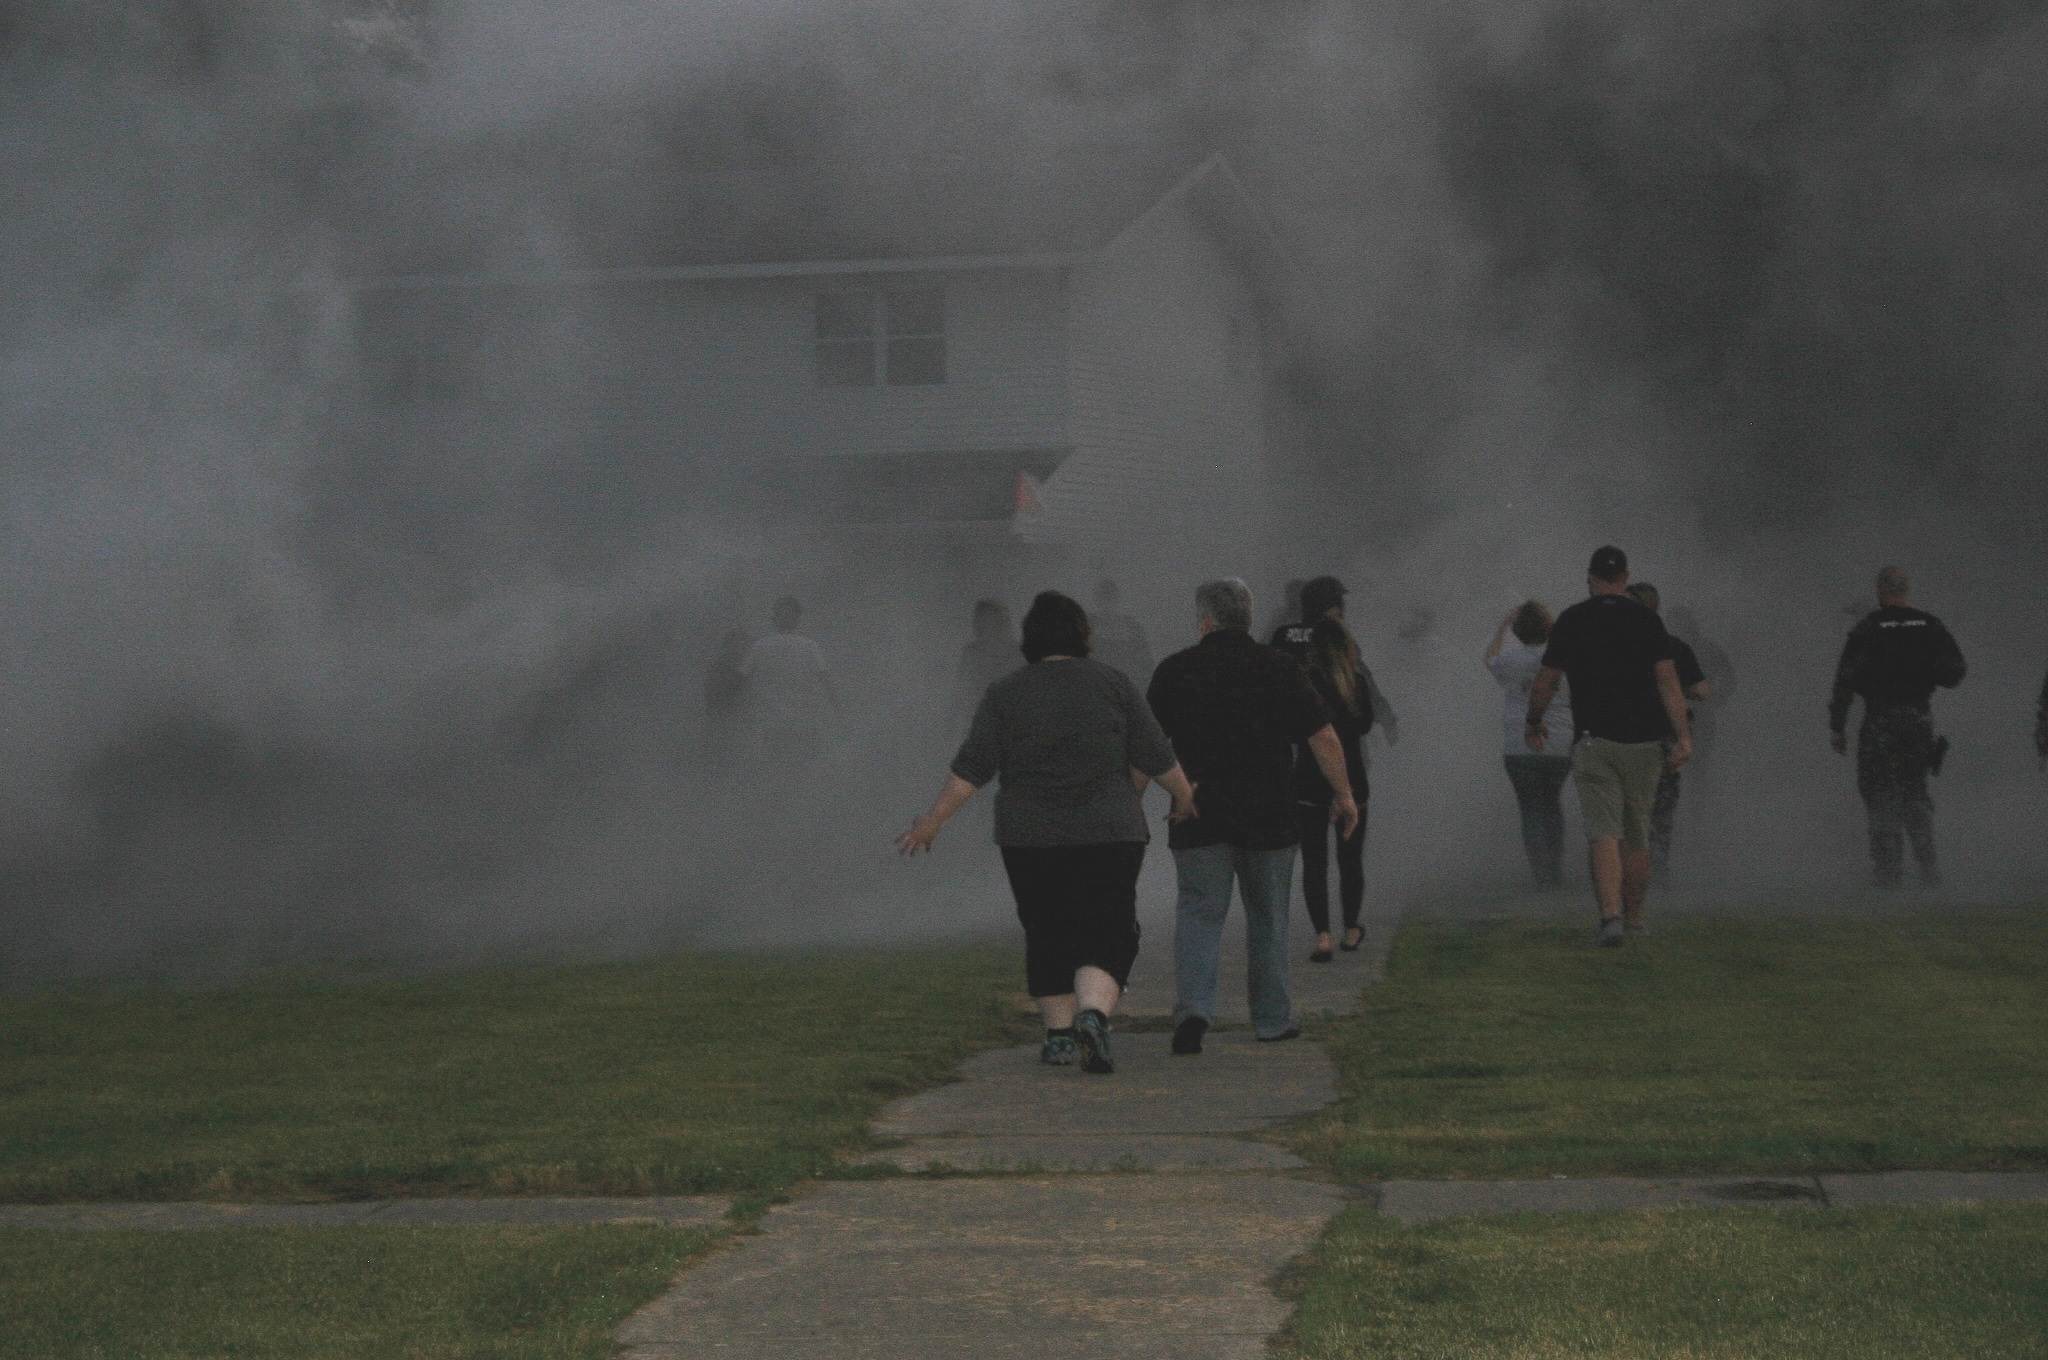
1840, 741
1536, 737
1680, 752
1184, 809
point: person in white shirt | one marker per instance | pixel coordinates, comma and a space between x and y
1538, 779
789, 690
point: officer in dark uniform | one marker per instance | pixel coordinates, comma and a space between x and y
1893, 660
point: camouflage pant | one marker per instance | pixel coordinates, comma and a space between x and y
1663, 815
1893, 750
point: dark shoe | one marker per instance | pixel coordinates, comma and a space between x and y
1612, 933
1353, 938
1059, 1051
1091, 1041
1321, 956
1187, 1035
1291, 1032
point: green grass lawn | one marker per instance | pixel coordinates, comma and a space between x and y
324, 1294
1691, 1284
729, 1073
1512, 1047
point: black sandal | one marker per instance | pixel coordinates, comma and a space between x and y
1349, 945
1321, 956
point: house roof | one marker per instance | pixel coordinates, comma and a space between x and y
947, 215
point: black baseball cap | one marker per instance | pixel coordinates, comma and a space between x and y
1609, 564
1320, 596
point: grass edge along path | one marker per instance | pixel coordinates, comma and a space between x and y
509, 1293
1510, 1048
1680, 1284
702, 1074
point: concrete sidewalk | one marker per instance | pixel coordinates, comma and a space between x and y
683, 1210
1422, 1201
1176, 1265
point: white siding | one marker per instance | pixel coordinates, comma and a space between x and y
726, 371
1168, 436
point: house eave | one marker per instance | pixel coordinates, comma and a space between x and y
711, 273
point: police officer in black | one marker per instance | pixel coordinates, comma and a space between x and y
1893, 660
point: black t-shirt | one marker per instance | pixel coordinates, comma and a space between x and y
1608, 646
1234, 711
1690, 672
1351, 720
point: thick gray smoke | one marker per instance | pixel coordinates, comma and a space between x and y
1755, 290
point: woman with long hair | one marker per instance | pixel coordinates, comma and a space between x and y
1328, 652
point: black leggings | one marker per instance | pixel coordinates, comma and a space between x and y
1315, 881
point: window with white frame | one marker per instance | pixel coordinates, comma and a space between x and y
869, 337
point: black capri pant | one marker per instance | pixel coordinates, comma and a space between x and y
1079, 908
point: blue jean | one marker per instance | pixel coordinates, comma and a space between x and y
1266, 879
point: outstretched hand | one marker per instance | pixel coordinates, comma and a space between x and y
918, 840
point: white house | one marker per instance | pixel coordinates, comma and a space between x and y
1105, 390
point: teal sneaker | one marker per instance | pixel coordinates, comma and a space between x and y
1059, 1051
1091, 1037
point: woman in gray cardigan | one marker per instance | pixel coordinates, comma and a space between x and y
1074, 745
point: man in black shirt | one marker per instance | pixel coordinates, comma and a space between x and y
1894, 659
1692, 683
1234, 711
1631, 724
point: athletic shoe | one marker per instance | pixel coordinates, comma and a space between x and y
1091, 1039
1612, 932
1291, 1032
1187, 1035
1059, 1051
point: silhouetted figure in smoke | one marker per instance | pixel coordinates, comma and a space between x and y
1118, 638
1235, 711
1894, 660
1692, 683
1290, 606
788, 689
1630, 723
1719, 668
2041, 724
987, 657
1328, 652
1074, 746
1538, 779
725, 694
1418, 633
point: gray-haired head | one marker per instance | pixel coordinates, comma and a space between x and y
1224, 604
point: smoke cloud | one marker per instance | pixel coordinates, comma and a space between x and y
1756, 290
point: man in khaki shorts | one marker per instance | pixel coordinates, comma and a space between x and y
1625, 705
